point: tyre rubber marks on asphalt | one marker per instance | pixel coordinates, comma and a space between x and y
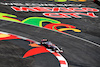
34, 51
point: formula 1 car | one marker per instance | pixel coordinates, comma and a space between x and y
58, 50
51, 48
54, 48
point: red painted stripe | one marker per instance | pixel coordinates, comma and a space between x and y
11, 18
62, 62
10, 37
56, 54
35, 51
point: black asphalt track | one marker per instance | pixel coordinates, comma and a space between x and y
78, 53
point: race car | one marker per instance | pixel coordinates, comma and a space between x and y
50, 45
58, 50
55, 49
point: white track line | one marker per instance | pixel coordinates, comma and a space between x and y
85, 40
19, 36
61, 59
98, 45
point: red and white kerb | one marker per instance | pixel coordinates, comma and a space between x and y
62, 60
